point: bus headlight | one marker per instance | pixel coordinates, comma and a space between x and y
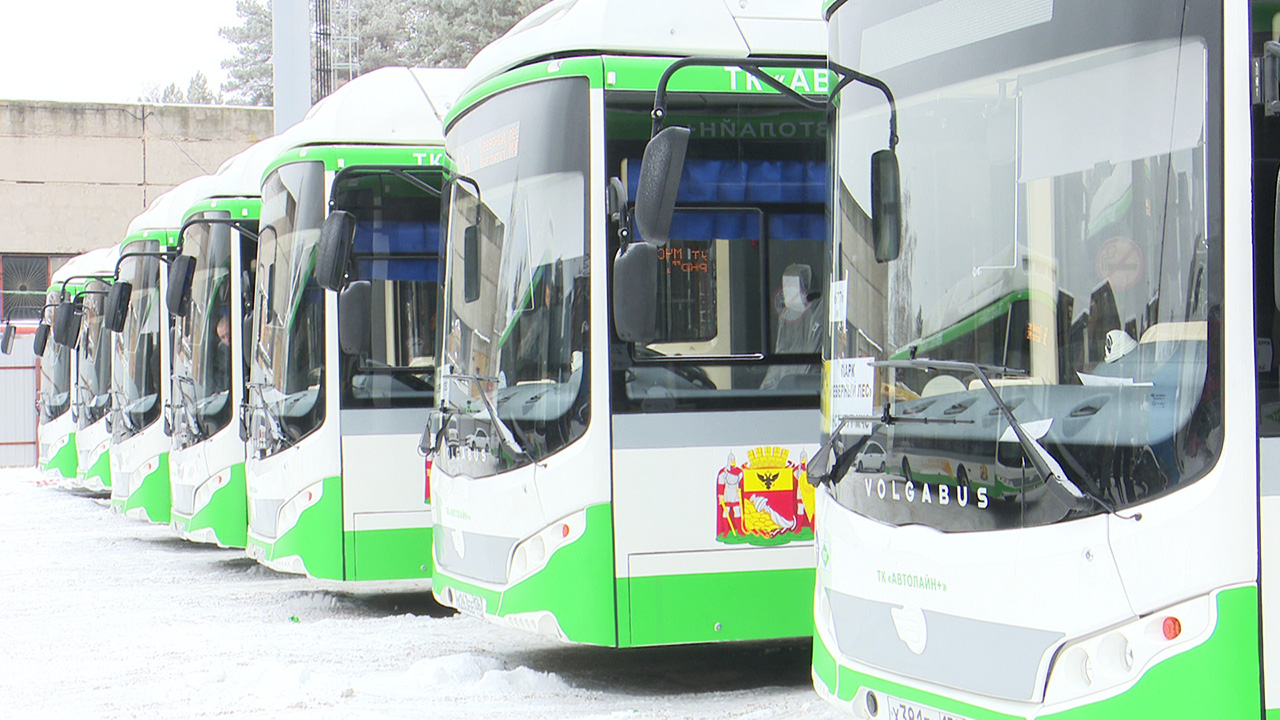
293, 508
534, 552
1114, 659
205, 492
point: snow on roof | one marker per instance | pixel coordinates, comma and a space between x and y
676, 28
389, 106
241, 175
95, 262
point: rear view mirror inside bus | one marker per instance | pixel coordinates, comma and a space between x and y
471, 263
181, 273
886, 205
116, 308
66, 325
635, 293
333, 254
660, 171
6, 343
40, 340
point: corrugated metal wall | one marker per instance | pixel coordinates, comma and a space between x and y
18, 378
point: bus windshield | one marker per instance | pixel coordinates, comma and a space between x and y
287, 358
202, 338
396, 250
740, 312
94, 368
517, 290
55, 373
136, 374
1058, 170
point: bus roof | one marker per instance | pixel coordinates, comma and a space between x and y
166, 211
241, 175
676, 28
389, 106
95, 262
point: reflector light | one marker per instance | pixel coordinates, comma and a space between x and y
564, 531
1172, 628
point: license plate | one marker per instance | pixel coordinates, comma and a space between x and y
900, 709
469, 604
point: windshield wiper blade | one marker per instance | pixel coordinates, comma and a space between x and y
1044, 463
505, 434
273, 425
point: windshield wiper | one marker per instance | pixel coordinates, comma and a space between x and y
1045, 464
505, 434
273, 425
186, 403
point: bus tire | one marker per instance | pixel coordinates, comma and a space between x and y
906, 469
962, 477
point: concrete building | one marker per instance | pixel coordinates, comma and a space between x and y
72, 176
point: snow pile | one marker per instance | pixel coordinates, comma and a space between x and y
481, 674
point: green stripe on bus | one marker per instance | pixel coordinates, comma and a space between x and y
317, 536
153, 494
569, 587
707, 607
100, 469
227, 513
394, 554
66, 460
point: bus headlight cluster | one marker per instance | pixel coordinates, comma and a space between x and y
1116, 658
205, 492
289, 513
532, 554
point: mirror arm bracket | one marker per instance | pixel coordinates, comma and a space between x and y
849, 75
754, 66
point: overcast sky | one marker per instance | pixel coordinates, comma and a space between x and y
109, 50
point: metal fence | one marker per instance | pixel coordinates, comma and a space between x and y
19, 376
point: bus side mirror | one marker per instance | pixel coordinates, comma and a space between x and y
182, 272
6, 343
471, 263
116, 308
660, 171
66, 325
333, 253
635, 293
886, 206
353, 318
41, 339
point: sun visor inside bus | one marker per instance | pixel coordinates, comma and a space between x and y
763, 182
395, 251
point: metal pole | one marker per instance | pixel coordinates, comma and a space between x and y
291, 61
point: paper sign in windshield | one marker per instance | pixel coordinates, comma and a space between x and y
852, 393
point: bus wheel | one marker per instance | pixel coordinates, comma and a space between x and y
906, 469
962, 477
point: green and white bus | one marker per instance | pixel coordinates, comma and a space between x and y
340, 384
1079, 181
603, 481
56, 431
92, 403
211, 303
140, 442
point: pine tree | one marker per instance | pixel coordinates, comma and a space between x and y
250, 77
453, 31
198, 92
171, 94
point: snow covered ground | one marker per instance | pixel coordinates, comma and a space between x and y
106, 617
